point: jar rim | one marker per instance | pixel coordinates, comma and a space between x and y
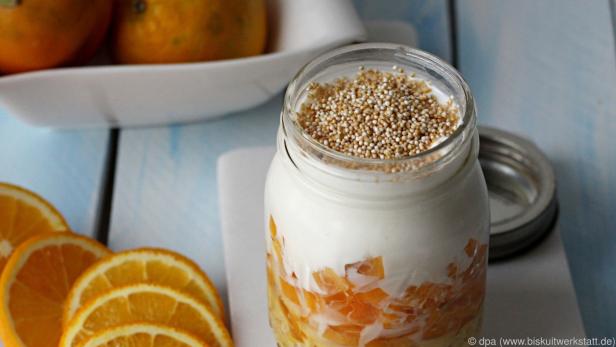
465, 129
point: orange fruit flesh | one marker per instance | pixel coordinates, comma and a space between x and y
24, 214
146, 265
355, 302
145, 303
143, 335
35, 283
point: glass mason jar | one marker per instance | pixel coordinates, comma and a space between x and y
370, 252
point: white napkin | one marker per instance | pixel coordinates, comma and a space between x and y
528, 296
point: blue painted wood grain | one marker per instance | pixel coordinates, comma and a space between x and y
166, 191
66, 167
166, 187
547, 70
430, 17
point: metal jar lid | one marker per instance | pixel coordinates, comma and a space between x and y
522, 191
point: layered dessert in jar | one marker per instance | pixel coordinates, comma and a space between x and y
377, 212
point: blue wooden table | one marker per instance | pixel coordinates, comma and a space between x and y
544, 69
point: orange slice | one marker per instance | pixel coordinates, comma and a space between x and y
143, 335
154, 266
146, 303
24, 214
35, 283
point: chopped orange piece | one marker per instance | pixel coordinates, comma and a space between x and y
277, 250
311, 300
270, 273
356, 301
289, 291
392, 320
401, 308
272, 227
344, 335
483, 250
292, 322
452, 270
373, 297
329, 282
296, 331
370, 267
360, 312
435, 327
471, 247
337, 300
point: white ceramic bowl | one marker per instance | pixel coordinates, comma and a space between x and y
116, 95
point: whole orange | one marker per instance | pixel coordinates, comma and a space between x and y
175, 31
39, 34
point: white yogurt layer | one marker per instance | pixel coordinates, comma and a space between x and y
418, 233
321, 231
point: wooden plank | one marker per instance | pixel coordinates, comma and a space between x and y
166, 186
165, 191
66, 167
547, 70
430, 18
